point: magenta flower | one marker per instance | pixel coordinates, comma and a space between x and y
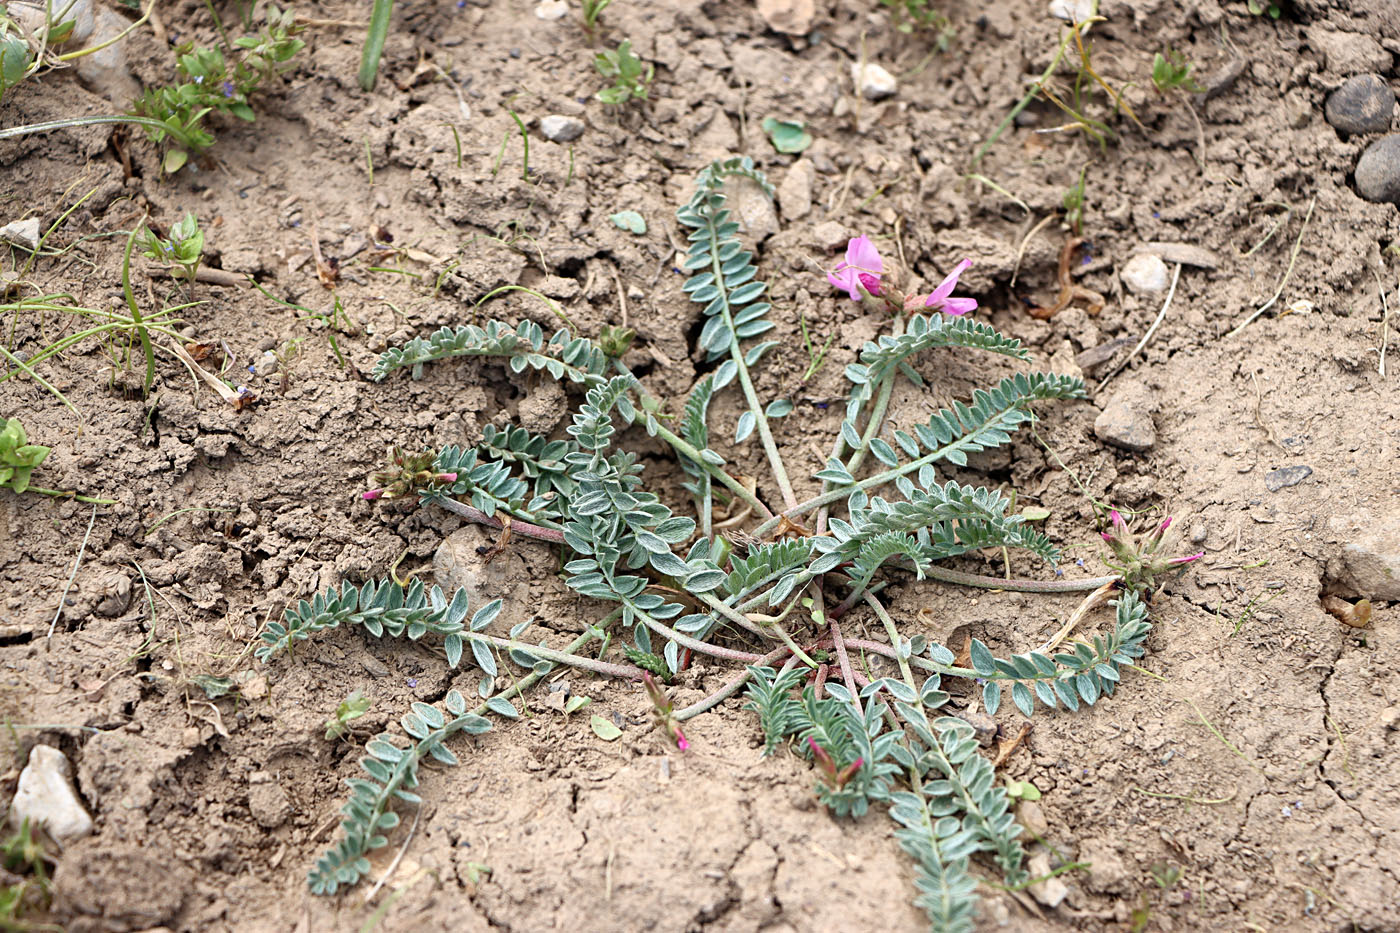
861, 269
942, 300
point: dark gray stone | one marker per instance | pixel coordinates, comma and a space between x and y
1378, 171
1286, 476
1364, 104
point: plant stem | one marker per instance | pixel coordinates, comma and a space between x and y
882, 404
893, 632
943, 574
729, 689
517, 527
566, 656
140, 326
685, 641
70, 495
374, 42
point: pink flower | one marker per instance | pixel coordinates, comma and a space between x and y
861, 269
372, 494
942, 300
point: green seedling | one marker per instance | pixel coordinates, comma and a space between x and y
18, 457
631, 80
787, 135
374, 42
214, 85
181, 251
351, 708
815, 357
592, 10
26, 864
918, 16
1272, 10
1074, 204
1172, 70
16, 62
1022, 790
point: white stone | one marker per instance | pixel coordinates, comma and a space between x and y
561, 129
552, 9
23, 233
1072, 11
1145, 274
873, 82
45, 797
1052, 891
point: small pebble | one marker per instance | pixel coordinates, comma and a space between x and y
1126, 421
1286, 476
1364, 104
1145, 274
561, 129
873, 82
1378, 171
552, 9
1073, 11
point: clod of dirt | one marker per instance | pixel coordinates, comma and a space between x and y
1145, 274
1363, 104
460, 561
1287, 476
22, 233
830, 235
104, 885
561, 129
795, 192
1348, 53
46, 798
793, 17
873, 82
541, 410
114, 593
1368, 565
1106, 874
1126, 421
1378, 171
267, 801
1031, 815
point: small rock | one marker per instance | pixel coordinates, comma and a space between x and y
830, 236
984, 726
1184, 253
753, 208
1378, 171
1032, 816
1052, 891
561, 129
792, 17
1286, 476
23, 233
1073, 11
267, 363
374, 667
114, 589
873, 82
1223, 78
1126, 421
541, 410
45, 797
1094, 357
269, 805
1371, 559
1363, 104
1145, 274
552, 9
795, 193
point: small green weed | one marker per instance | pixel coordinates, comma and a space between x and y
592, 10
24, 858
214, 85
18, 457
1172, 70
1272, 10
1074, 204
182, 250
351, 708
917, 16
631, 79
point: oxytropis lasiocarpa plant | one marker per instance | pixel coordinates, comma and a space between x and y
756, 581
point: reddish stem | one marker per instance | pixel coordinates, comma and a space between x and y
517, 527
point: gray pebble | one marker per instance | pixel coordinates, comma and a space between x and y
1363, 104
1378, 171
1286, 476
1126, 421
561, 129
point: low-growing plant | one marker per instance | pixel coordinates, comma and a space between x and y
347, 711
26, 888
18, 457
181, 250
773, 573
630, 76
1258, 8
919, 16
213, 84
1172, 70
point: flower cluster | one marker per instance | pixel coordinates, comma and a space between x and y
862, 271
407, 474
1141, 558
834, 777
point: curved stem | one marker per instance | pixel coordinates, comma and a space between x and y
945, 575
729, 689
685, 641
67, 123
882, 404
517, 527
624, 671
70, 495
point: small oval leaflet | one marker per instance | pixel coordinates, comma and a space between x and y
604, 729
630, 221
